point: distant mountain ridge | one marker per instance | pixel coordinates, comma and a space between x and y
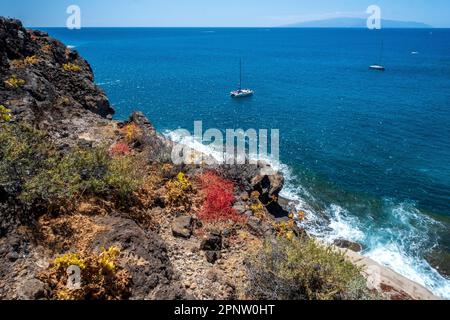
355, 23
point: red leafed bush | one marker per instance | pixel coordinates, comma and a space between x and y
120, 149
219, 198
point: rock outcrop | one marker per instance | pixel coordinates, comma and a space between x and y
48, 84
182, 227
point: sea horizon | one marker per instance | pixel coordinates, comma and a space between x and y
235, 27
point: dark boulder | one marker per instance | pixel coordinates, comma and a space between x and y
440, 260
268, 186
212, 242
346, 244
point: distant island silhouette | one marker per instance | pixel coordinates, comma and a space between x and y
355, 23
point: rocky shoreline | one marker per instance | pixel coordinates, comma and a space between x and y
169, 246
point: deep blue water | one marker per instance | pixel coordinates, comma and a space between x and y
367, 154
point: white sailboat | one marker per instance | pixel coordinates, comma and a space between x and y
241, 93
379, 67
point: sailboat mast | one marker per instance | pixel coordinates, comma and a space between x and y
381, 53
240, 74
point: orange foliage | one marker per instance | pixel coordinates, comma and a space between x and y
131, 132
120, 149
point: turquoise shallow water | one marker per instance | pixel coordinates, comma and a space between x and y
367, 154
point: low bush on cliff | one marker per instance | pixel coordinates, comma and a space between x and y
63, 178
131, 132
46, 48
305, 270
178, 191
101, 278
23, 151
23, 63
34, 172
5, 114
82, 173
71, 67
14, 82
219, 199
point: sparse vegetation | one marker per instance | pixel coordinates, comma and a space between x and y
14, 82
71, 67
5, 114
64, 100
23, 151
178, 191
46, 48
285, 229
23, 63
67, 260
101, 277
123, 178
44, 177
306, 270
31, 60
82, 173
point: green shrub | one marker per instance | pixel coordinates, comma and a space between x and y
303, 269
82, 173
36, 173
23, 151
124, 177
65, 177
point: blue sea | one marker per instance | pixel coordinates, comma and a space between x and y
366, 154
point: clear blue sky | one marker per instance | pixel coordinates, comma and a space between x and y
218, 13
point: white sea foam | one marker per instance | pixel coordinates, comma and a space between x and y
416, 269
386, 244
343, 225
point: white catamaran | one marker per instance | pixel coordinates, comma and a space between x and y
379, 67
241, 93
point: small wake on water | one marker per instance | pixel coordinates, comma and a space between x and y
399, 237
